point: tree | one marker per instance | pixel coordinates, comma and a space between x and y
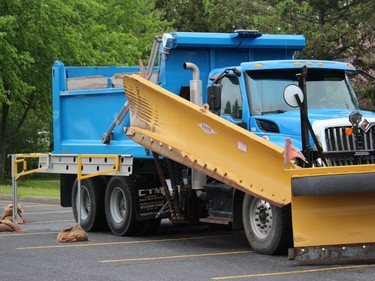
217, 15
15, 90
228, 108
186, 15
335, 29
236, 110
34, 33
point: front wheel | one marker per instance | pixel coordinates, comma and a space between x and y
267, 227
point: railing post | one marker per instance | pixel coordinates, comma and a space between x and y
14, 189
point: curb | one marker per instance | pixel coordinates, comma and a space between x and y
31, 199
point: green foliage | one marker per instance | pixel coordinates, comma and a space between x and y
228, 108
186, 15
236, 110
35, 33
334, 29
40, 188
233, 110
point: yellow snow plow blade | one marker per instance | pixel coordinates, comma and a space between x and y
328, 207
333, 213
188, 134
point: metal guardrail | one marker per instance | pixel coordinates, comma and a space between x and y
83, 165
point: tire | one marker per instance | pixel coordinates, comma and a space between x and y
267, 227
92, 204
120, 206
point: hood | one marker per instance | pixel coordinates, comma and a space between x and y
289, 124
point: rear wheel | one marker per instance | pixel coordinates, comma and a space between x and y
267, 227
91, 204
120, 206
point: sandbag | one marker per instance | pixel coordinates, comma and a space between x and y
8, 213
6, 222
8, 226
72, 234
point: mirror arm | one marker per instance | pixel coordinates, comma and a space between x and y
309, 127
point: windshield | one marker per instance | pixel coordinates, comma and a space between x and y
325, 89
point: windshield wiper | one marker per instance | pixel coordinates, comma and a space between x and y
273, 111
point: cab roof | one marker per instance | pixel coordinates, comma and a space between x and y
281, 64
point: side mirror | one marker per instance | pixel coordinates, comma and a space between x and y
290, 93
214, 96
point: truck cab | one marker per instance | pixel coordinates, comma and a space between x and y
252, 97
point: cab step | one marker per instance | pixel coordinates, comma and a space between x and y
216, 220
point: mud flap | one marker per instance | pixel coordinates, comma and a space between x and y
333, 218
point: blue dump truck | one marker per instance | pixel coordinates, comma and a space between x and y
260, 95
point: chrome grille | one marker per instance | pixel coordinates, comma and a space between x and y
337, 140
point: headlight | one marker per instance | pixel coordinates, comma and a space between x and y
355, 118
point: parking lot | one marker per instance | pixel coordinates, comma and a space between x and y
173, 253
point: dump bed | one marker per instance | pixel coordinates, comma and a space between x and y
86, 100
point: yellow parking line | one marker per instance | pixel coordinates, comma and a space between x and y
40, 205
46, 213
178, 257
85, 244
293, 272
29, 204
26, 233
43, 222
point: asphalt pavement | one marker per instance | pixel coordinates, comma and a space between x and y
173, 253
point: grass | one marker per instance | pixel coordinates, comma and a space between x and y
34, 187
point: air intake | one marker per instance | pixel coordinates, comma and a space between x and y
267, 126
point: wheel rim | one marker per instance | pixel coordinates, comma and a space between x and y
117, 205
261, 218
85, 203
